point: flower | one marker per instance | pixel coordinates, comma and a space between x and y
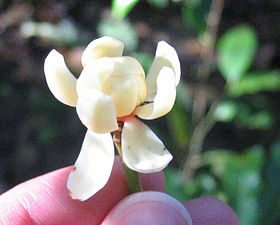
109, 93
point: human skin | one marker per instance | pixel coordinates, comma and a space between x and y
45, 200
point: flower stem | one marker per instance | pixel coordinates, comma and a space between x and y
131, 175
132, 180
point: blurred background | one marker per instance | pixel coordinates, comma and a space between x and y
224, 129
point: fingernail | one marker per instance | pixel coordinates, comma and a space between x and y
149, 208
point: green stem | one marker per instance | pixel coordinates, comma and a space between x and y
131, 175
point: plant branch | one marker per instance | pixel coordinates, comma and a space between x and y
203, 123
207, 55
196, 143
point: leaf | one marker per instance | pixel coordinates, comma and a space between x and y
255, 82
226, 111
179, 125
236, 50
240, 176
270, 200
121, 30
120, 8
244, 114
177, 189
159, 3
195, 13
63, 32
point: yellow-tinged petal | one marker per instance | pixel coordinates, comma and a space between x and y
131, 92
122, 78
127, 65
93, 166
60, 80
102, 47
166, 56
95, 75
164, 99
97, 112
142, 150
123, 91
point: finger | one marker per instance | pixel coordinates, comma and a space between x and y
150, 207
211, 211
45, 200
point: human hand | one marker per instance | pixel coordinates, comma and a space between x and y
44, 200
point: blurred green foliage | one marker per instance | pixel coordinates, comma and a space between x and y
120, 8
255, 82
194, 14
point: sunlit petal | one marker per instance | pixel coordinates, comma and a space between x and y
60, 80
164, 99
166, 56
93, 166
102, 47
96, 111
127, 65
95, 74
142, 150
123, 91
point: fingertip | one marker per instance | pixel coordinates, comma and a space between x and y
149, 207
211, 211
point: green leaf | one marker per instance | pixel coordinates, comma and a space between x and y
245, 115
255, 82
195, 13
179, 125
240, 176
226, 111
270, 200
159, 3
120, 8
236, 51
121, 30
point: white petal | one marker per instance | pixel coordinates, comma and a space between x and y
164, 99
102, 47
127, 65
166, 55
96, 111
123, 91
95, 74
60, 80
93, 166
142, 150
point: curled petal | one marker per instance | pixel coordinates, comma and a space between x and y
95, 74
123, 92
93, 166
164, 99
102, 47
127, 65
96, 111
142, 150
60, 80
166, 56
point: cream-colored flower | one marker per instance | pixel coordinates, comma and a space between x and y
112, 88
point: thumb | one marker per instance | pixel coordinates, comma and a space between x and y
148, 208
